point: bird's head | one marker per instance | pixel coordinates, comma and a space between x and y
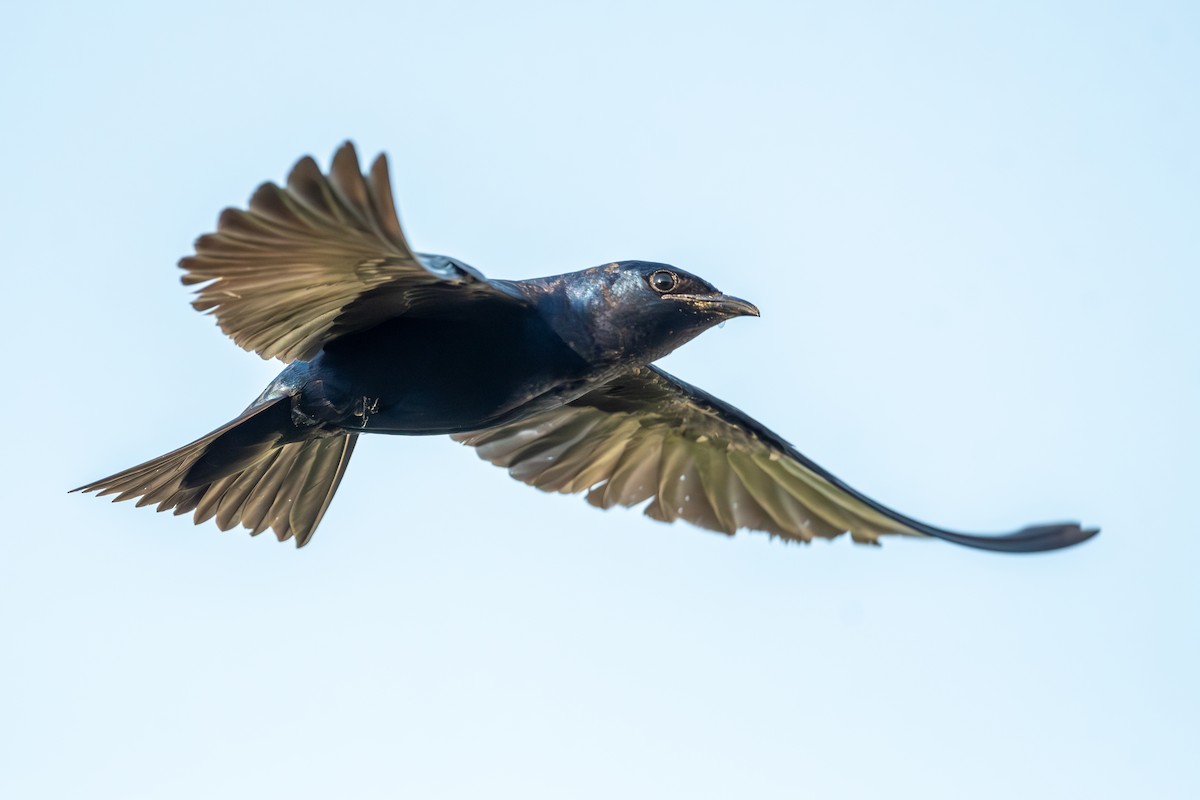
638, 311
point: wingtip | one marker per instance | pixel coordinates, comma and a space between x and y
304, 171
346, 151
379, 166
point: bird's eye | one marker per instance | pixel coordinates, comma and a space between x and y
663, 281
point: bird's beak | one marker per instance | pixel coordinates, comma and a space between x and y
734, 306
719, 305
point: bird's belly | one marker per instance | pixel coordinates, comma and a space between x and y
433, 407
438, 412
438, 377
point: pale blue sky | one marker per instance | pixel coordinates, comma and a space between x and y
974, 234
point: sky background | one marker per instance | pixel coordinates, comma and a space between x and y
974, 234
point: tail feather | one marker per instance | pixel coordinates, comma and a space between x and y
262, 480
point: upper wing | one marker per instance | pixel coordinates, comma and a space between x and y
320, 257
647, 435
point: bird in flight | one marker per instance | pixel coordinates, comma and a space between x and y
551, 378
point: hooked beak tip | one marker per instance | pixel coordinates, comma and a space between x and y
737, 307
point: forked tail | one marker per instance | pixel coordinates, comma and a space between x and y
255, 471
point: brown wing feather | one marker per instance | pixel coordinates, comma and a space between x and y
314, 259
649, 436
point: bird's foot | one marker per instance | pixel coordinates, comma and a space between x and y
364, 407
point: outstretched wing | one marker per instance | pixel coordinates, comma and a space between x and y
318, 258
649, 436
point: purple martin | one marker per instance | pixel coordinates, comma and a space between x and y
551, 378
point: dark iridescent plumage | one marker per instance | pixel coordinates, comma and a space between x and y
549, 377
